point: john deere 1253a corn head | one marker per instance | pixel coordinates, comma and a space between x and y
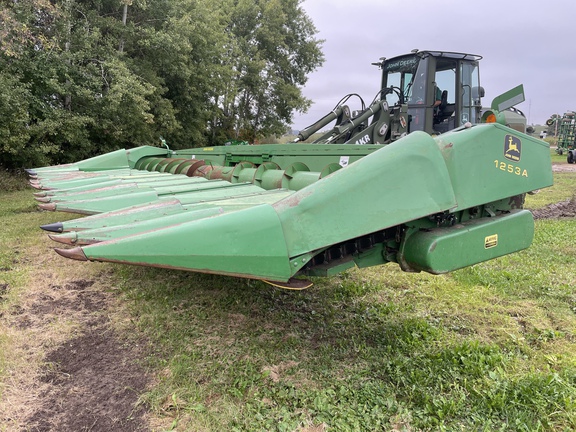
283, 212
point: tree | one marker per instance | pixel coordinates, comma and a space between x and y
25, 77
81, 77
271, 50
80, 95
183, 53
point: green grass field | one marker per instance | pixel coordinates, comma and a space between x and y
490, 347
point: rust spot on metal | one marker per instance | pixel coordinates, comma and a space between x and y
49, 206
182, 168
202, 171
217, 172
74, 210
75, 253
76, 175
191, 171
87, 241
62, 239
291, 200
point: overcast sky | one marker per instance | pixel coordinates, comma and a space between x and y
521, 42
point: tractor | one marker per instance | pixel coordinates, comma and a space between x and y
430, 91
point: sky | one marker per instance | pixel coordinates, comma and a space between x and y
522, 42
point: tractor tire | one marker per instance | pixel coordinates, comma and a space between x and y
560, 151
570, 157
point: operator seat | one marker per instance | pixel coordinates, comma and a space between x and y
443, 112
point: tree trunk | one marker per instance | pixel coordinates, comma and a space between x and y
124, 18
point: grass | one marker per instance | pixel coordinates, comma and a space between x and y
562, 190
23, 258
490, 347
368, 350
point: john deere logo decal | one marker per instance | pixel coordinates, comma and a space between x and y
512, 148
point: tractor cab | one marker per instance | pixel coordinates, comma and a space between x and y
440, 89
429, 91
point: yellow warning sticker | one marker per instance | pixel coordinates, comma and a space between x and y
490, 241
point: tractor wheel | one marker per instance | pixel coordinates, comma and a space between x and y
559, 151
570, 157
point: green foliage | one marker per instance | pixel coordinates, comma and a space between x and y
13, 123
78, 80
271, 50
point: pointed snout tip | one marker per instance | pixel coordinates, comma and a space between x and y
47, 206
75, 253
57, 227
62, 239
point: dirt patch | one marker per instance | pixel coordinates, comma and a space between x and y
562, 209
91, 384
3, 289
564, 167
78, 373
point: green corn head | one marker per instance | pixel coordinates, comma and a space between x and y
283, 212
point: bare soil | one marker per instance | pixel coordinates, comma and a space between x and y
562, 209
563, 167
77, 372
93, 382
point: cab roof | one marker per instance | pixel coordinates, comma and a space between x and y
444, 54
